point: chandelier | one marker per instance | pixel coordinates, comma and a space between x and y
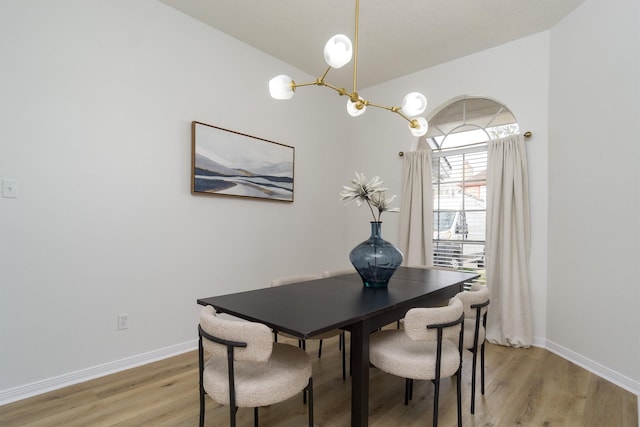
338, 52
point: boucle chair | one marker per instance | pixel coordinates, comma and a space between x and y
339, 272
246, 368
427, 267
475, 302
425, 349
329, 334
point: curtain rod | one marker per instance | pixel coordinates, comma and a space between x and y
527, 135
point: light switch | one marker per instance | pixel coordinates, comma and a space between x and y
10, 188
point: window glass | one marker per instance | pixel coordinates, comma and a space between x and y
458, 135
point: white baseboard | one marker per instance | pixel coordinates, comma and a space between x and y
39, 387
539, 342
610, 375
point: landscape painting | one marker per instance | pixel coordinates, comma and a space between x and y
230, 163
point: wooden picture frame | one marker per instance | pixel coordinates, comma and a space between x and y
229, 163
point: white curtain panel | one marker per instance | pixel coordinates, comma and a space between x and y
508, 243
416, 209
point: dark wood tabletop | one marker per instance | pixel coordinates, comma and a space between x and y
307, 308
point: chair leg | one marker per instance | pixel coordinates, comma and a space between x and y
459, 396
201, 423
310, 409
320, 349
201, 380
232, 415
406, 391
436, 396
473, 380
344, 369
255, 417
482, 368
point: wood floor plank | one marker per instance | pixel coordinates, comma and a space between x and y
524, 387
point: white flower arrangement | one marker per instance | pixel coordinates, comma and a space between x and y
370, 193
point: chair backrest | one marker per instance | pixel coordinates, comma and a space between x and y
418, 320
294, 279
432, 267
339, 272
258, 338
477, 294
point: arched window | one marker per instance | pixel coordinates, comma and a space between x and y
458, 135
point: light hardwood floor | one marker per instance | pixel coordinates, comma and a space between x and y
524, 387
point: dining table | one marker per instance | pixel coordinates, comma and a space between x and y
309, 308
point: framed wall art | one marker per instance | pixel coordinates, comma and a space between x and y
229, 163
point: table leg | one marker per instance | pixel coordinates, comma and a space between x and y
359, 375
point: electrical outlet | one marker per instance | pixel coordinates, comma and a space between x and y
123, 321
10, 188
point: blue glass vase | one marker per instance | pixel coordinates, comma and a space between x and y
375, 259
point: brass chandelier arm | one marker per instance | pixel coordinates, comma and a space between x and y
341, 91
399, 112
295, 85
393, 109
325, 74
320, 82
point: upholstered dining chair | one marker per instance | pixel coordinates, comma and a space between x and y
428, 348
246, 368
475, 301
431, 267
339, 272
320, 337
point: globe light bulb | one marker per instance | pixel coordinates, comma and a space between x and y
338, 51
356, 109
414, 103
418, 126
281, 87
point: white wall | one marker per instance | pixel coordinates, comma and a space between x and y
594, 192
96, 102
515, 74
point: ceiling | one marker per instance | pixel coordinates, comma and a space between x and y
396, 37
